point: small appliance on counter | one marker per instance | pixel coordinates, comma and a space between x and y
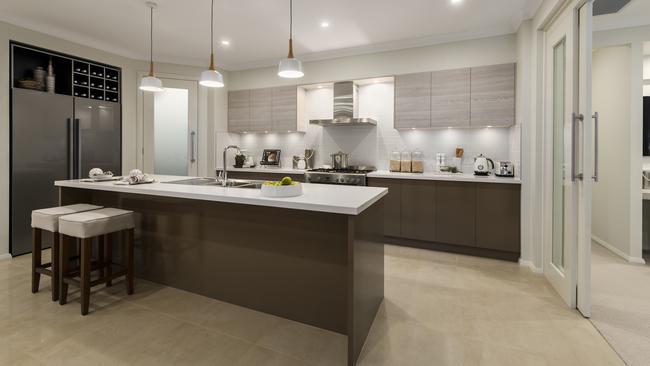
482, 165
504, 169
271, 157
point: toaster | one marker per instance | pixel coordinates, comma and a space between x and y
504, 169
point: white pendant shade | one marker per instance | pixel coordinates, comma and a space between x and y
151, 84
211, 79
290, 68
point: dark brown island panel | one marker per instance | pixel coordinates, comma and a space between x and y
318, 268
480, 219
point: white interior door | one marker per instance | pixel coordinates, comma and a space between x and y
568, 145
170, 136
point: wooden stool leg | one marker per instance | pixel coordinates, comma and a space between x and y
100, 256
64, 263
36, 258
129, 262
86, 252
108, 255
55, 266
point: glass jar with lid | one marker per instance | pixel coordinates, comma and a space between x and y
394, 165
417, 162
405, 165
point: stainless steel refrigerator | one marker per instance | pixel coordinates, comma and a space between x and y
55, 137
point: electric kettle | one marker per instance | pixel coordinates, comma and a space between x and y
483, 165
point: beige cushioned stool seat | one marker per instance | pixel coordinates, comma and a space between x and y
89, 224
48, 218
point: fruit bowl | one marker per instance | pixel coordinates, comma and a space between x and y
284, 188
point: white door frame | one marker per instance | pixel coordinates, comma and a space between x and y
575, 286
202, 122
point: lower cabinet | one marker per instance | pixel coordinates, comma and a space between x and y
418, 210
480, 217
498, 213
455, 213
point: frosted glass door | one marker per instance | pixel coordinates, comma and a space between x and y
171, 126
170, 129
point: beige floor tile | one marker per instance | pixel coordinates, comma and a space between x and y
439, 309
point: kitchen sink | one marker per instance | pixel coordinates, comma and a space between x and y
233, 183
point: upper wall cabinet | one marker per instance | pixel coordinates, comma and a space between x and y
450, 98
266, 110
413, 100
477, 97
239, 111
493, 96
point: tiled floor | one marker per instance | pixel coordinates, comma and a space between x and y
621, 304
440, 309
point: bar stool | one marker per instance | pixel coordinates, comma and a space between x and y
48, 219
87, 226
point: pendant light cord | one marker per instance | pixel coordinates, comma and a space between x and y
212, 27
151, 41
290, 19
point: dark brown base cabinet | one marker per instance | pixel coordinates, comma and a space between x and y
480, 219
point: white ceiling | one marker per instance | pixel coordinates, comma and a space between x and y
635, 13
258, 29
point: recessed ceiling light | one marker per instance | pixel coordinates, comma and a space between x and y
324, 24
225, 42
456, 2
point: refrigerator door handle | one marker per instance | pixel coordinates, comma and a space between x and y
70, 134
77, 150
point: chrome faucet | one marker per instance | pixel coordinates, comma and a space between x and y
224, 177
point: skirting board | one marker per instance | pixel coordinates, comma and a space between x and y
615, 250
530, 265
5, 256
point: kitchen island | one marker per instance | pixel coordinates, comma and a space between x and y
316, 259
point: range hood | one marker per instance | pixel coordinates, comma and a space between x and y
345, 108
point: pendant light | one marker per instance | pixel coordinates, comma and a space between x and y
211, 77
150, 82
290, 67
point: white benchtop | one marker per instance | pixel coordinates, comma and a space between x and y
339, 199
457, 177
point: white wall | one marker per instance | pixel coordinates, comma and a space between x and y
217, 111
372, 145
611, 98
477, 52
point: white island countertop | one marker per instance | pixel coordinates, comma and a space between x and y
338, 199
455, 177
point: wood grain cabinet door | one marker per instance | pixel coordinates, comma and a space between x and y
419, 210
239, 109
493, 96
392, 205
413, 100
285, 109
261, 118
456, 213
450, 98
498, 217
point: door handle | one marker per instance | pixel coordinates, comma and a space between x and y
77, 148
70, 134
575, 175
192, 146
596, 118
